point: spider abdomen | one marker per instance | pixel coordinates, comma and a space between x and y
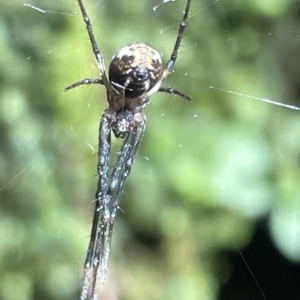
135, 68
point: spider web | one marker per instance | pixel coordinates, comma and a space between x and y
208, 175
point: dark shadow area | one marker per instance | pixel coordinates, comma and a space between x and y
276, 277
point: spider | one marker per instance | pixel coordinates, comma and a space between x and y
135, 74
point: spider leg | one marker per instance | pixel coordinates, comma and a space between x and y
119, 175
86, 81
130, 155
140, 125
104, 236
173, 91
101, 256
182, 26
171, 62
121, 171
90, 253
96, 50
95, 252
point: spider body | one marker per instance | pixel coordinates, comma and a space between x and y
137, 68
135, 74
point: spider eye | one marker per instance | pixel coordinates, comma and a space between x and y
137, 68
141, 74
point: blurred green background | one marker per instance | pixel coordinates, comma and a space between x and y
207, 171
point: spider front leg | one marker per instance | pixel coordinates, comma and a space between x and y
96, 246
119, 175
129, 147
133, 125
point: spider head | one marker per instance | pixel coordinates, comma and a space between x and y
135, 68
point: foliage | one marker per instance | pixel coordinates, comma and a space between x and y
205, 173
